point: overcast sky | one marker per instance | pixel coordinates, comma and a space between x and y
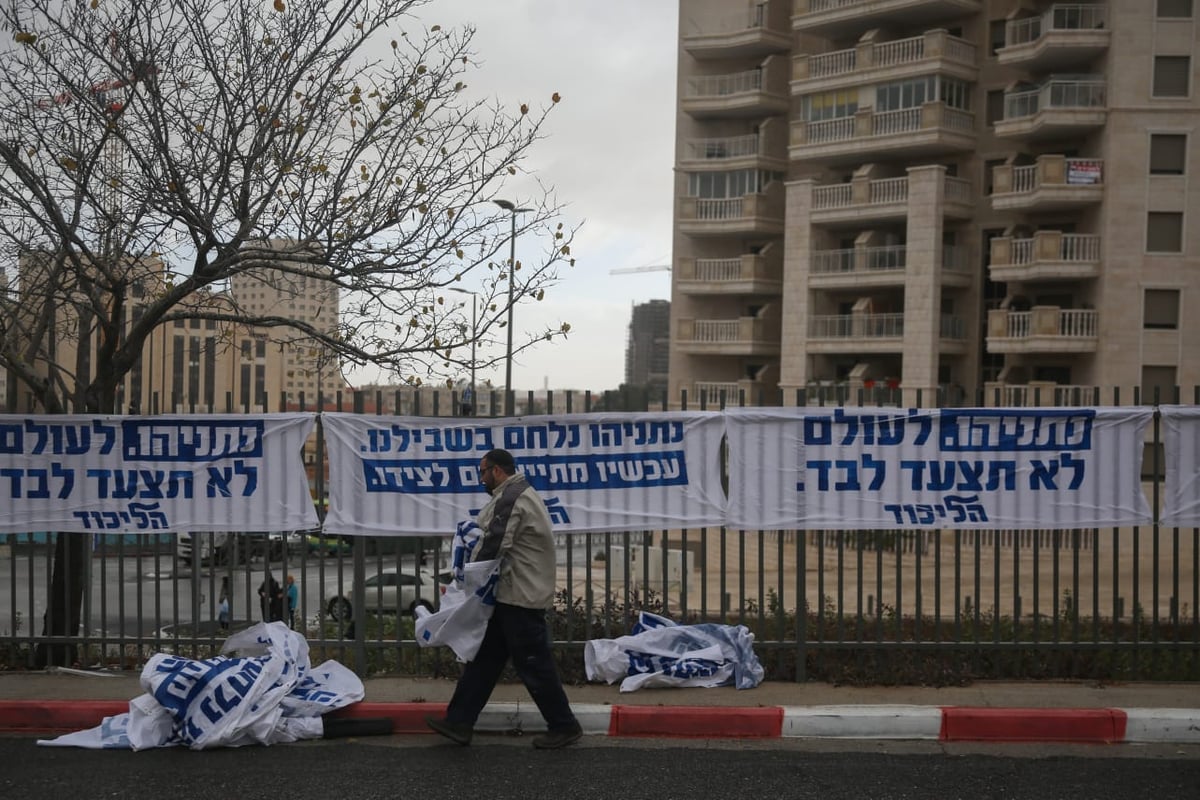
609, 156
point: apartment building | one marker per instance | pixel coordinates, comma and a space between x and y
304, 366
190, 364
936, 198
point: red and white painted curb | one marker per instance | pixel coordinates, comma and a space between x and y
935, 723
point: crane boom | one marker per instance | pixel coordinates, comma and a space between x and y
649, 268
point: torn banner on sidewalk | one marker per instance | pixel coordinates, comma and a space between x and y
266, 693
659, 652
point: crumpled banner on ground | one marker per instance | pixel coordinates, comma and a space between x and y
661, 653
265, 692
467, 603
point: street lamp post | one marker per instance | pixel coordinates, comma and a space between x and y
509, 396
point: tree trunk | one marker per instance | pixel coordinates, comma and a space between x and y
65, 601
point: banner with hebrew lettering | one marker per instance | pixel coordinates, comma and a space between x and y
116, 474
970, 468
1181, 460
596, 472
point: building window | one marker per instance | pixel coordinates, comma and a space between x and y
1168, 153
737, 183
1174, 9
1171, 74
913, 93
995, 106
1158, 385
996, 34
1164, 232
830, 105
1160, 309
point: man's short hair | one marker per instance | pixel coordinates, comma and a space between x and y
502, 459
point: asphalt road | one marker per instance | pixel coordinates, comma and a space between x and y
503, 768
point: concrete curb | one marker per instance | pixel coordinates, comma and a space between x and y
937, 723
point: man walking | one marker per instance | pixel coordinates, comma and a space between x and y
517, 530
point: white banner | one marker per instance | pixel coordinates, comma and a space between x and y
972, 468
596, 472
1181, 474
117, 474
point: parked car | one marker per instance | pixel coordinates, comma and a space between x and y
392, 592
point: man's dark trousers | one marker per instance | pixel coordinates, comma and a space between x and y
522, 634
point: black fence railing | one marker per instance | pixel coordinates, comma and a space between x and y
859, 606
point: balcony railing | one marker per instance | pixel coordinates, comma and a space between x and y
723, 148
711, 393
718, 269
1073, 247
1004, 395
856, 326
931, 116
952, 327
717, 330
1073, 172
1062, 17
1072, 323
891, 54
725, 85
720, 208
890, 258
877, 260
1055, 94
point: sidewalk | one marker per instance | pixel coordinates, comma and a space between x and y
63, 701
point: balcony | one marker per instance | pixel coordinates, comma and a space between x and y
745, 336
1047, 256
766, 149
762, 29
997, 394
1043, 329
841, 18
928, 130
935, 51
1067, 35
864, 201
870, 267
718, 394
741, 275
1054, 183
750, 214
760, 92
871, 333
1059, 107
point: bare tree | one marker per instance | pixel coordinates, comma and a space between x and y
155, 151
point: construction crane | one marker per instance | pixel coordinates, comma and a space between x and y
649, 268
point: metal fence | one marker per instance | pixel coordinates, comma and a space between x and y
849, 606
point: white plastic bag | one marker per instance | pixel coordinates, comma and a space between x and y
661, 653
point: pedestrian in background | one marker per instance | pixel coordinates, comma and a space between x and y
293, 601
270, 597
223, 612
517, 530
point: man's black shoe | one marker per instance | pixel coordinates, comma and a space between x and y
552, 740
457, 732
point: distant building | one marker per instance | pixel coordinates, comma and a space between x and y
308, 299
648, 347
